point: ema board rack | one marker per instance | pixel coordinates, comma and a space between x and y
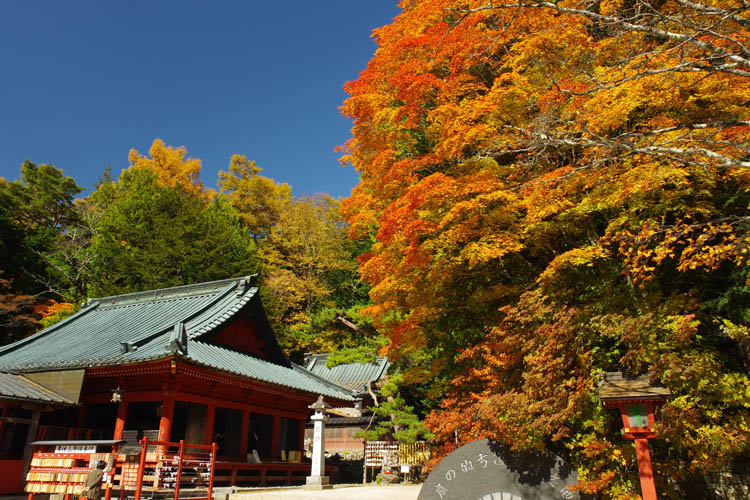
61, 468
55, 473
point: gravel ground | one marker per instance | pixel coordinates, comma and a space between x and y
339, 492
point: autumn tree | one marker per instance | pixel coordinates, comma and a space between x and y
19, 316
556, 189
309, 276
258, 200
172, 167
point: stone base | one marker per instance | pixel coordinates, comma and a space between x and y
317, 483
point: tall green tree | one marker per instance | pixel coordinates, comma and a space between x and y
35, 213
152, 235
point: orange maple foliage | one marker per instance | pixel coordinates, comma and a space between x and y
556, 189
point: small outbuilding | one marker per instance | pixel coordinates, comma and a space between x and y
344, 423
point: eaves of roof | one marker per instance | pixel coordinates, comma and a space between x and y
17, 387
223, 360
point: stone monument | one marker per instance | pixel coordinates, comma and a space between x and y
317, 480
484, 470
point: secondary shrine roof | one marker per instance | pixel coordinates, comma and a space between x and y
352, 376
18, 387
157, 324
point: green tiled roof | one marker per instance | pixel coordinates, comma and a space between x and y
18, 387
352, 376
158, 324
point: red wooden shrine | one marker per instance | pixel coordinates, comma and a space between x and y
210, 374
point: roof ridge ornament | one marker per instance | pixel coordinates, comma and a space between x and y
127, 347
178, 339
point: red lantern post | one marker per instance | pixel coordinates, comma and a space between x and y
636, 399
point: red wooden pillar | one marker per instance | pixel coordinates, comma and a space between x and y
81, 420
275, 437
641, 431
301, 440
245, 433
122, 413
208, 435
165, 424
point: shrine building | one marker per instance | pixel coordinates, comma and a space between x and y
345, 425
198, 363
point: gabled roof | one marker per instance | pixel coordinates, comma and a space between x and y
615, 386
352, 376
18, 387
153, 325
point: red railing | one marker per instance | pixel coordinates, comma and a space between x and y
173, 468
178, 461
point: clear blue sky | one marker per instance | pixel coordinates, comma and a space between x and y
83, 82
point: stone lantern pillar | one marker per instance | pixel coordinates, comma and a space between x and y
317, 479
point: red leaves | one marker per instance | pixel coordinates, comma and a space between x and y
553, 195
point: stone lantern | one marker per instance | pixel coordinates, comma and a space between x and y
317, 478
636, 399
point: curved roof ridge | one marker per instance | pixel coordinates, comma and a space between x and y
173, 292
219, 296
247, 296
384, 365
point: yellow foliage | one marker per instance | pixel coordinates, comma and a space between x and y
258, 200
172, 167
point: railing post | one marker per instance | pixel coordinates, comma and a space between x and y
141, 467
211, 472
108, 485
179, 469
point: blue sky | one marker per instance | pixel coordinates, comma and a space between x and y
83, 82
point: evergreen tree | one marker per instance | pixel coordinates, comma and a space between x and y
152, 235
34, 212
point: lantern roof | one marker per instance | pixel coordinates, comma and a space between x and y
319, 405
616, 386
